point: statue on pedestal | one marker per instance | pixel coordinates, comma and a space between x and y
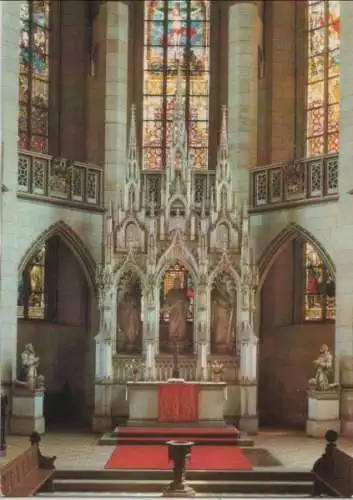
323, 379
29, 368
223, 319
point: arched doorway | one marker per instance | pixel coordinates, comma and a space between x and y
56, 314
297, 317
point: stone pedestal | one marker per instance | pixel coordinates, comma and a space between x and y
323, 413
346, 382
27, 412
248, 421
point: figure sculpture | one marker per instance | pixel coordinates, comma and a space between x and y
29, 368
129, 319
222, 320
176, 305
323, 379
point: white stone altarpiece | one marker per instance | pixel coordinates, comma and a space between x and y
178, 279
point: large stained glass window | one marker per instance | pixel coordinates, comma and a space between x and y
177, 35
323, 93
319, 297
34, 76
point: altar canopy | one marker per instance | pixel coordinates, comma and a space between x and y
178, 402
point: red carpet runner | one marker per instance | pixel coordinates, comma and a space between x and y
156, 457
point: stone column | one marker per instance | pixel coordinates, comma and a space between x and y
116, 105
244, 35
342, 234
9, 217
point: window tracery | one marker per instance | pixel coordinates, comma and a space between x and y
34, 75
323, 86
177, 35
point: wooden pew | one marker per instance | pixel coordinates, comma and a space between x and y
28, 473
333, 471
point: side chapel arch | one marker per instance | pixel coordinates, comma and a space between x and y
75, 244
289, 233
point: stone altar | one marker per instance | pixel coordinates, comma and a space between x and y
142, 400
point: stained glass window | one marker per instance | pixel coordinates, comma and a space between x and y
30, 295
177, 35
319, 299
34, 76
323, 92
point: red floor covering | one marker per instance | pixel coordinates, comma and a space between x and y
156, 457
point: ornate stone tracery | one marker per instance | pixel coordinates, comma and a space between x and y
148, 231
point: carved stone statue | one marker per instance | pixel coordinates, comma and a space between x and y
129, 314
29, 368
176, 305
223, 319
323, 379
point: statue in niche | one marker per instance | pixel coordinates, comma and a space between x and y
223, 317
176, 306
129, 318
323, 379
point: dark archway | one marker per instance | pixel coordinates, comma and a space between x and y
291, 328
56, 313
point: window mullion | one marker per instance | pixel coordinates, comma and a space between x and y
326, 59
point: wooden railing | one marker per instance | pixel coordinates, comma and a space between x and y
310, 180
57, 180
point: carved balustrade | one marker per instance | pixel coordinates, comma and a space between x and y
308, 180
57, 180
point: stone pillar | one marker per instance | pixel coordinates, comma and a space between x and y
342, 235
346, 407
9, 218
244, 34
248, 421
116, 105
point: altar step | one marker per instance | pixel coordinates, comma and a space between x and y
204, 482
201, 435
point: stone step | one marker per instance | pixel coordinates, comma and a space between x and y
167, 475
157, 486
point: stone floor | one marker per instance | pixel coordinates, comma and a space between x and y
75, 450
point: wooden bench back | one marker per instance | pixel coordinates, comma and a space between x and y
335, 470
342, 472
14, 473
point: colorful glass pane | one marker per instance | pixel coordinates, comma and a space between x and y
176, 36
319, 297
315, 146
323, 91
34, 74
31, 288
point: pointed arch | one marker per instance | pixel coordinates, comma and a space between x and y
73, 241
289, 233
176, 252
224, 266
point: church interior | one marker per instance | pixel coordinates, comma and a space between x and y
176, 245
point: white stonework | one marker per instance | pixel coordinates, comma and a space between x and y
146, 232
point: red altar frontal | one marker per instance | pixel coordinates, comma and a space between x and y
178, 402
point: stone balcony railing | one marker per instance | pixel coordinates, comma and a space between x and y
306, 181
57, 180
